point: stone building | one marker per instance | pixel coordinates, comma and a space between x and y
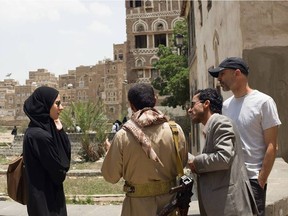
20, 95
8, 84
148, 24
104, 81
42, 77
257, 31
67, 89
7, 98
12, 97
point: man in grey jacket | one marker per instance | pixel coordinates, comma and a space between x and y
222, 183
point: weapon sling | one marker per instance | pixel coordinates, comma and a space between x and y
184, 190
174, 129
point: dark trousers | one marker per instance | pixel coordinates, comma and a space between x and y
259, 195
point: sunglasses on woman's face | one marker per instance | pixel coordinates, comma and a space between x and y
58, 103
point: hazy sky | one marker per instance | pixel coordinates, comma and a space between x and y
57, 35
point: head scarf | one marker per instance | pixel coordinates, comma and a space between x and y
145, 118
37, 108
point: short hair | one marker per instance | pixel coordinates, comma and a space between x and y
215, 98
141, 95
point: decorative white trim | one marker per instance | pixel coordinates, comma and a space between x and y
144, 51
150, 15
137, 23
159, 21
174, 21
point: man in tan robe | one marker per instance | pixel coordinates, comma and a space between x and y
144, 155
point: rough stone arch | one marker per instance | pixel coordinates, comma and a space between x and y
174, 21
153, 59
139, 62
156, 24
139, 26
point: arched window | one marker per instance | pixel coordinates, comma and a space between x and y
148, 3
140, 28
160, 27
139, 63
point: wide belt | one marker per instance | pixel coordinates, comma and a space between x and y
154, 188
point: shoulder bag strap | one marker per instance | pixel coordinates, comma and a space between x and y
175, 132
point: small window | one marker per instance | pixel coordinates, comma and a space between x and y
201, 14
160, 27
140, 74
140, 41
140, 28
154, 73
148, 3
137, 3
139, 63
209, 5
81, 84
160, 39
154, 61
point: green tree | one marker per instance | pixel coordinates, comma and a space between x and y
93, 122
173, 81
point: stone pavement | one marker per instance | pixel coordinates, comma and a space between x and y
276, 204
10, 208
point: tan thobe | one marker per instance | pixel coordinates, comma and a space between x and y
127, 159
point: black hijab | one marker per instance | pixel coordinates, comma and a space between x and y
37, 108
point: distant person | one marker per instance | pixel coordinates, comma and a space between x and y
222, 183
46, 152
116, 126
256, 117
14, 131
144, 155
77, 129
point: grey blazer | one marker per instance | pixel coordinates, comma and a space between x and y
222, 183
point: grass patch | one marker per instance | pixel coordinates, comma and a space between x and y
81, 186
91, 186
3, 129
85, 165
4, 160
3, 184
75, 185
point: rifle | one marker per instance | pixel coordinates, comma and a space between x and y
183, 197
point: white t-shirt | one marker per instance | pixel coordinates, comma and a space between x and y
252, 114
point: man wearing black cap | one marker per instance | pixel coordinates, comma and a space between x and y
256, 117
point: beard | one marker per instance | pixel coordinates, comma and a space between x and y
224, 87
197, 118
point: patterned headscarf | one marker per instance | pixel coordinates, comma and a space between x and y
144, 118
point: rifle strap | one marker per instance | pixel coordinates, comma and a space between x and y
175, 133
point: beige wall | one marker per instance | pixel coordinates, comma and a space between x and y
218, 37
254, 30
269, 74
264, 23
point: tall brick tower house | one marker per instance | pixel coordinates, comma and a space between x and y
149, 23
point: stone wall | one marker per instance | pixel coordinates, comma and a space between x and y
15, 148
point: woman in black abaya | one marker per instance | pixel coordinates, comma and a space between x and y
46, 152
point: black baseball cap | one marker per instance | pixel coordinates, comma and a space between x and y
230, 63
